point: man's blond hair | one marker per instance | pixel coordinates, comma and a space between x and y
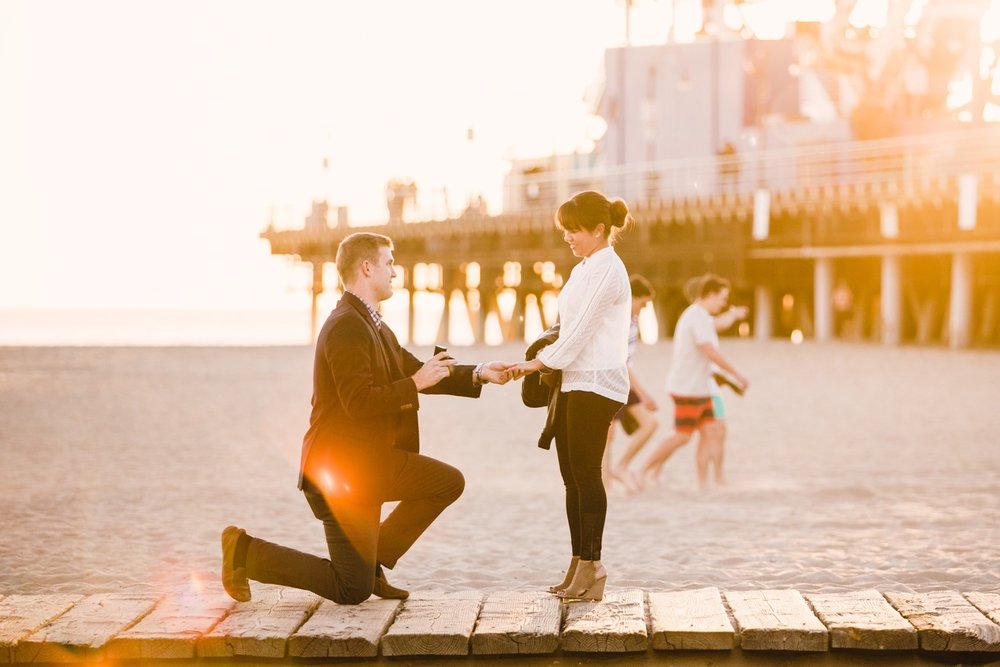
357, 248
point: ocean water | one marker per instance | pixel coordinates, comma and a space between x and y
222, 326
154, 327
850, 466
258, 327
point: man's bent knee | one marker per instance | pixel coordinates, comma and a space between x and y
354, 597
355, 592
454, 486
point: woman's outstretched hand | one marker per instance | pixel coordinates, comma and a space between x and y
523, 368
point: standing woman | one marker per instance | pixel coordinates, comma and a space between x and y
592, 353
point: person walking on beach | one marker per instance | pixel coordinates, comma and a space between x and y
361, 448
689, 381
711, 451
636, 417
592, 352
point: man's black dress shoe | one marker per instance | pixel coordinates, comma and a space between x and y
385, 590
234, 579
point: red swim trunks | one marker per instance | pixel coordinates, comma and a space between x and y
691, 411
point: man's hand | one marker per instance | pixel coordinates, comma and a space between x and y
496, 372
728, 318
436, 369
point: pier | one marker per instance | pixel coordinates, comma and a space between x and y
895, 240
280, 625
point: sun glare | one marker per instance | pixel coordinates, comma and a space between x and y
989, 26
960, 92
870, 13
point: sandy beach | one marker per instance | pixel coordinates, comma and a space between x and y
851, 466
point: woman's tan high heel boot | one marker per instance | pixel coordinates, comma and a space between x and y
570, 573
588, 583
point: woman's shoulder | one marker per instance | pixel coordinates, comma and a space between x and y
614, 259
620, 271
604, 260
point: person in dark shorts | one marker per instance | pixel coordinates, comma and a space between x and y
636, 417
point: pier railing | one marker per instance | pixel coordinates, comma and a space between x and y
900, 165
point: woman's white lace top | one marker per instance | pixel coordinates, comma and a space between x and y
594, 315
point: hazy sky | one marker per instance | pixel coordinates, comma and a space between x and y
143, 145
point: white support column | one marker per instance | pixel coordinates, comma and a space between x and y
960, 310
892, 311
411, 302
823, 298
968, 199
763, 313
761, 226
888, 220
317, 290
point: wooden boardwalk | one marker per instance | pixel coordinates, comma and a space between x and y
285, 624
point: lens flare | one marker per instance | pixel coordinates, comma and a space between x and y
197, 585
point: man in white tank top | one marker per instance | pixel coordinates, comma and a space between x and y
689, 382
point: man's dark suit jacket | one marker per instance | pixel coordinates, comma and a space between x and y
364, 404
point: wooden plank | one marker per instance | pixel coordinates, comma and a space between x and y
172, 629
433, 624
988, 603
863, 620
947, 621
616, 624
85, 628
344, 631
693, 620
260, 627
522, 623
776, 620
21, 615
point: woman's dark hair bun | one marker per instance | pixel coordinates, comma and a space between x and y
619, 213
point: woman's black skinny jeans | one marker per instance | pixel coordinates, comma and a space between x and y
581, 431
